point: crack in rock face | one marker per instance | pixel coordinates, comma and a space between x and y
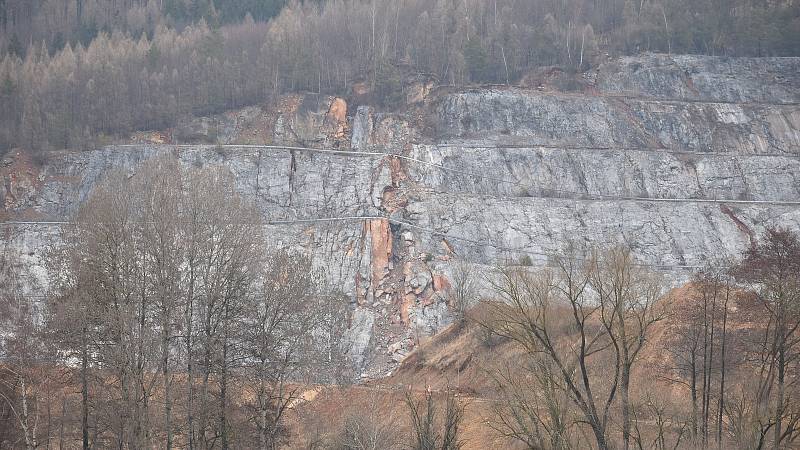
683, 158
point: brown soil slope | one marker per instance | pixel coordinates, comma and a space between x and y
464, 358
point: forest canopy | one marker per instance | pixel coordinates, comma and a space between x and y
102, 67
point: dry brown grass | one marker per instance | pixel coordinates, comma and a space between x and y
462, 357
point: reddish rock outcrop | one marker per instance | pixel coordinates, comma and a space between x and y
381, 238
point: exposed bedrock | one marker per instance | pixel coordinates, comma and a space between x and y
598, 121
685, 159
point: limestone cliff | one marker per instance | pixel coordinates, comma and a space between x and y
684, 158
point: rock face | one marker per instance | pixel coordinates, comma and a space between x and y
686, 159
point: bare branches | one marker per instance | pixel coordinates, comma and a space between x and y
370, 427
772, 267
535, 409
611, 306
430, 433
463, 292
280, 342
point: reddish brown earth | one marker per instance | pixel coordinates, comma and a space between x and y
463, 358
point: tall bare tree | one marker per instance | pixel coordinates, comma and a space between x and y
26, 376
772, 268
112, 277
627, 294
163, 245
279, 341
142, 248
576, 318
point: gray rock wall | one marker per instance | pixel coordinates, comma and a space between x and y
715, 79
685, 159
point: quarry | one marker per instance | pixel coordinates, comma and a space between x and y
683, 158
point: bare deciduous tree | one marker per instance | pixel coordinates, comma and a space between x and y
279, 340
627, 294
25, 373
534, 410
142, 248
369, 427
772, 268
586, 312
700, 330
463, 291
430, 433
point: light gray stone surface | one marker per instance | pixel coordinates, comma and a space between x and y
686, 159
